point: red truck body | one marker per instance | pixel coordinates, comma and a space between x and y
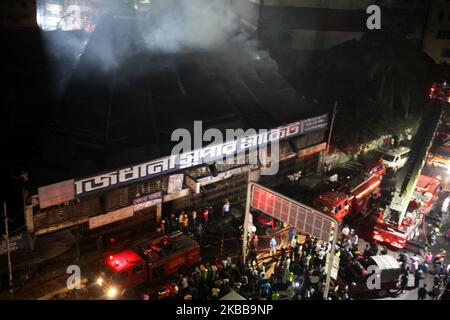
351, 197
130, 268
388, 230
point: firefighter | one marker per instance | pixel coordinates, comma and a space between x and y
255, 242
165, 240
180, 220
273, 246
194, 218
185, 222
163, 227
205, 216
173, 221
226, 207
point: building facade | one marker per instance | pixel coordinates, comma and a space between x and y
18, 14
295, 31
106, 203
437, 37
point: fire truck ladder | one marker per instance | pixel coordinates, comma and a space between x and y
409, 174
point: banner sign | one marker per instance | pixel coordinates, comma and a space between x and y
147, 201
111, 217
209, 154
225, 175
175, 183
56, 193
16, 242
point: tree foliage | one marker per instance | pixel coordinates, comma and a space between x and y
380, 81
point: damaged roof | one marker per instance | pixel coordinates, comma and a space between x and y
123, 112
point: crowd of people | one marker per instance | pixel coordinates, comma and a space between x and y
292, 268
190, 221
291, 271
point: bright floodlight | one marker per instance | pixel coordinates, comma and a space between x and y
112, 293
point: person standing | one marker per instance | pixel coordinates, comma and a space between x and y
255, 242
403, 282
205, 216
291, 234
100, 244
226, 207
180, 220
422, 292
194, 218
173, 222
199, 232
417, 277
185, 222
355, 241
275, 295
163, 227
273, 246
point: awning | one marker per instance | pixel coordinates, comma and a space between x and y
386, 262
232, 296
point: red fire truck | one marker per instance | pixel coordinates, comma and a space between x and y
388, 230
352, 197
440, 91
146, 264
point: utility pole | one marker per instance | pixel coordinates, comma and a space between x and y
329, 137
11, 290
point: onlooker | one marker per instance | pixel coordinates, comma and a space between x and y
422, 292
226, 207
273, 246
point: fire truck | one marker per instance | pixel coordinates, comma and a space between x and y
388, 231
147, 263
440, 91
352, 197
399, 221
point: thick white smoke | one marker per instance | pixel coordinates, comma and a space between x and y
175, 25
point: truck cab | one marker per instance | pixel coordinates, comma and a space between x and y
121, 272
146, 263
397, 236
440, 91
335, 204
425, 194
388, 231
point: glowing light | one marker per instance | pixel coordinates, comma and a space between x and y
100, 281
112, 292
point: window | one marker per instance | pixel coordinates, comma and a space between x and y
445, 53
138, 270
389, 158
443, 34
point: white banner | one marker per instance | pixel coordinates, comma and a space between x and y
111, 217
175, 183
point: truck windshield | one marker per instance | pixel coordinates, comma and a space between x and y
388, 158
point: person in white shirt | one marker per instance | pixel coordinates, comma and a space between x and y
226, 207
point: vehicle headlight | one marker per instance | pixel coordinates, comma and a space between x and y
112, 292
